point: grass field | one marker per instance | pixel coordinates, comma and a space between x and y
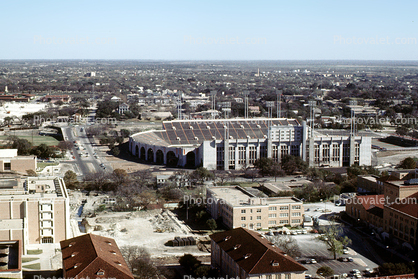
42, 165
36, 266
37, 139
34, 252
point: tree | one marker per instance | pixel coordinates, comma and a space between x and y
291, 164
115, 151
120, 176
211, 223
333, 238
189, 262
200, 175
65, 145
287, 243
70, 178
408, 163
23, 146
268, 167
325, 271
139, 261
43, 151
171, 193
125, 133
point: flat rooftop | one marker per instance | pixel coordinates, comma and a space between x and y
238, 196
34, 187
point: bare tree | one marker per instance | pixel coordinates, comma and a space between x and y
139, 261
287, 243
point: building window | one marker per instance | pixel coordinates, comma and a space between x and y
284, 150
295, 214
346, 153
335, 152
357, 152
272, 222
284, 214
295, 150
295, 221
287, 276
263, 151
284, 207
7, 166
243, 218
272, 208
258, 217
259, 210
243, 211
284, 221
316, 153
47, 240
273, 215
243, 225
220, 157
295, 206
232, 157
258, 224
275, 153
252, 153
241, 155
325, 153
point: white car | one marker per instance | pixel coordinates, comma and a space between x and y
313, 261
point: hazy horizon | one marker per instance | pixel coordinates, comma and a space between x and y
214, 31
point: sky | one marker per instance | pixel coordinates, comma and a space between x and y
210, 30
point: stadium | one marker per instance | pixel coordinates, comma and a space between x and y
236, 143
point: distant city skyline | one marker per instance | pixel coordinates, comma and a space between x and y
215, 30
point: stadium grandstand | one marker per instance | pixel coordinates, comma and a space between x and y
192, 143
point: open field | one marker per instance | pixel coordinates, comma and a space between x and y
37, 139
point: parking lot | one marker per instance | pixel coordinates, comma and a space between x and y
313, 249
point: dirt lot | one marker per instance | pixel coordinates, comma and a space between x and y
394, 157
151, 229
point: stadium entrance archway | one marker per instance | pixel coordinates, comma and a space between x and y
190, 160
172, 160
136, 150
142, 156
150, 157
159, 157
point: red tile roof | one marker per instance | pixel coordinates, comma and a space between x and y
407, 205
370, 201
255, 254
86, 255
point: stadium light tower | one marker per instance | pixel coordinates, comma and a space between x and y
179, 104
353, 131
279, 103
246, 93
226, 107
270, 106
312, 105
213, 95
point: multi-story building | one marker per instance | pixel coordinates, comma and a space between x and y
93, 256
236, 143
34, 210
11, 162
395, 210
241, 253
239, 208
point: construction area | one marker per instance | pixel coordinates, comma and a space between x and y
154, 229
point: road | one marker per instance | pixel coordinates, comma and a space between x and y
94, 161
